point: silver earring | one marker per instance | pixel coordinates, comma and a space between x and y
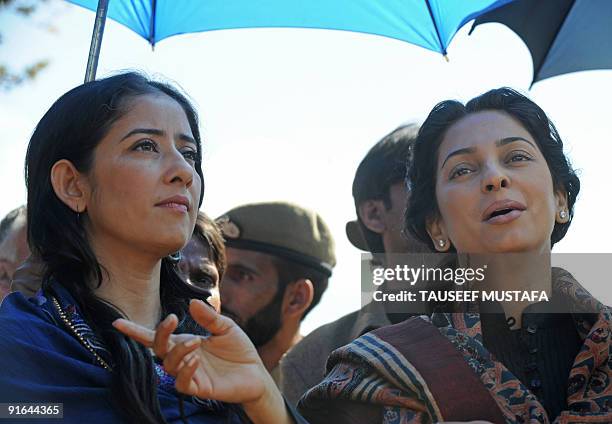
441, 243
562, 214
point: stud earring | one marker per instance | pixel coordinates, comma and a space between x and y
441, 243
562, 214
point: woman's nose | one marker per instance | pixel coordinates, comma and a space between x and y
179, 170
494, 179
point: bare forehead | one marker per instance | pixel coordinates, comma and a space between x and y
155, 109
148, 114
481, 129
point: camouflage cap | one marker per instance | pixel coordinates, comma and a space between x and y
282, 229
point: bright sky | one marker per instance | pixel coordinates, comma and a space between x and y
287, 114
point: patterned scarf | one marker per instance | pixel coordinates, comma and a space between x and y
448, 374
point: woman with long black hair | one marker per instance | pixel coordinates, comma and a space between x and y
114, 182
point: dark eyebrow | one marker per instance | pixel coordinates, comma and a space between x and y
463, 151
150, 131
187, 138
153, 131
508, 140
498, 143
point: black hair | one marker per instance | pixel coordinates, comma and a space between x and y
7, 222
422, 171
291, 271
71, 129
383, 166
210, 234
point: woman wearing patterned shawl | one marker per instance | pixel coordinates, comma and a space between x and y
114, 183
488, 180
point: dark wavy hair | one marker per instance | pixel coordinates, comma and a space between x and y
71, 129
421, 176
212, 237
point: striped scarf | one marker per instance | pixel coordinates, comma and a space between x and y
426, 370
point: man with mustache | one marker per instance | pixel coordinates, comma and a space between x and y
279, 259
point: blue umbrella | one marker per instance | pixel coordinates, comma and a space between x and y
427, 23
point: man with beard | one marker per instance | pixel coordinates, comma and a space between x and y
279, 259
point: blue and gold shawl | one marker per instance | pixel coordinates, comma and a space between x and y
50, 355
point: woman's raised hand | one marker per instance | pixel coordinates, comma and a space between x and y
224, 366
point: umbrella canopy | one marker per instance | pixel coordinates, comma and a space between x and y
562, 35
427, 23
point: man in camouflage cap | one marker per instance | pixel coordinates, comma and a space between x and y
279, 259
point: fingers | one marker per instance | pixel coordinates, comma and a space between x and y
135, 331
159, 339
179, 353
162, 335
184, 382
208, 318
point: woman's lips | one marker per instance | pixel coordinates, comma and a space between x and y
175, 206
505, 218
503, 211
176, 203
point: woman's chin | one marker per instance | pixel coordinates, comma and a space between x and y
168, 247
513, 245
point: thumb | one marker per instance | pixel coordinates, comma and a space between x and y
208, 318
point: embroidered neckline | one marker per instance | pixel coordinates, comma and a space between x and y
73, 322
81, 330
68, 323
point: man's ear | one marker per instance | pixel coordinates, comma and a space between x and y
439, 236
298, 297
69, 185
562, 208
371, 213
